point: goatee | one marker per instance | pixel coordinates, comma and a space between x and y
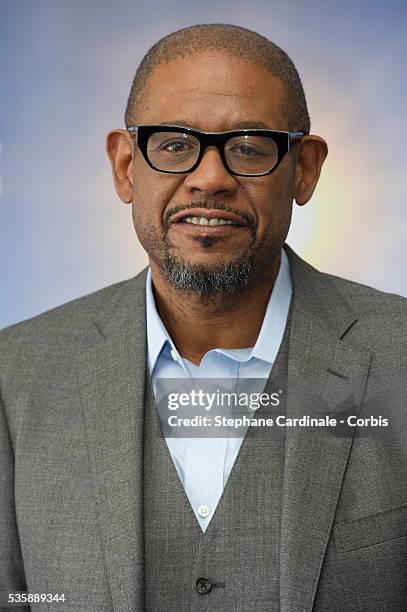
222, 279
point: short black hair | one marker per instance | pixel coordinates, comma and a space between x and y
233, 40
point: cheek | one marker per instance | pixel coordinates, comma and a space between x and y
149, 233
151, 195
145, 208
277, 199
272, 206
152, 192
147, 215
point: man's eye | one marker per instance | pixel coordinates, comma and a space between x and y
176, 146
246, 150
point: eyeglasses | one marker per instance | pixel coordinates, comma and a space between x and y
177, 150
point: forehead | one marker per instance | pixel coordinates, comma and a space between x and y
213, 91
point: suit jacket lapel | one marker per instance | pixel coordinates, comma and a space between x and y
320, 364
111, 386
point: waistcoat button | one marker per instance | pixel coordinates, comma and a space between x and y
203, 585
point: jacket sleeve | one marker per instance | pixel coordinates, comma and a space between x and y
12, 578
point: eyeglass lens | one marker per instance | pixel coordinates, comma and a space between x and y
245, 154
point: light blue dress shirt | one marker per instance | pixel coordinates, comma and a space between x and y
204, 464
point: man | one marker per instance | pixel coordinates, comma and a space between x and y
96, 505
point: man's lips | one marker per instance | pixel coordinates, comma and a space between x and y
206, 213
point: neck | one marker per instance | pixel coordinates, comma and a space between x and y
199, 324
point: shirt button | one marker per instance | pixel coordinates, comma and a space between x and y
203, 585
174, 355
203, 511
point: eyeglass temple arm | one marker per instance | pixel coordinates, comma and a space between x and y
133, 130
293, 136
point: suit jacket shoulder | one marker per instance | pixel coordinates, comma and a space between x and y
63, 330
381, 316
368, 300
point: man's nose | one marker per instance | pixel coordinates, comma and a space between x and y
211, 177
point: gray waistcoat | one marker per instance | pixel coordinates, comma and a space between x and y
238, 555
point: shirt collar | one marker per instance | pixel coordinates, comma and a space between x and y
271, 332
275, 317
157, 334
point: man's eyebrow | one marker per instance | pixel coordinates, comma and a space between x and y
177, 122
252, 125
242, 125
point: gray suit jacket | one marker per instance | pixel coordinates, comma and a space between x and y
71, 423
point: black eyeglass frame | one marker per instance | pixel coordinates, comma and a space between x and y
283, 141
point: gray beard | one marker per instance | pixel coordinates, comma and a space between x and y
224, 279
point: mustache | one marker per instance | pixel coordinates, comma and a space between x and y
213, 205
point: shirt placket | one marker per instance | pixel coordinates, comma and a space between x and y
205, 456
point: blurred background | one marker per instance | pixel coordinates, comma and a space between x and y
65, 75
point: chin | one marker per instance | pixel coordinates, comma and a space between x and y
220, 277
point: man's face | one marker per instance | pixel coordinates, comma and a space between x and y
213, 92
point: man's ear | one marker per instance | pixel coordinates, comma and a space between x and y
119, 147
309, 159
